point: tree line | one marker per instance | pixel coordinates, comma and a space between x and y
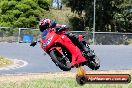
111, 15
22, 13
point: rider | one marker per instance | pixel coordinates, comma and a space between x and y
46, 23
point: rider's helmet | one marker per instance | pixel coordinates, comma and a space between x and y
44, 24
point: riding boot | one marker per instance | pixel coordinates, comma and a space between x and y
81, 45
84, 48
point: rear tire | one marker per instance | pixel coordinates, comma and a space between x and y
62, 62
94, 63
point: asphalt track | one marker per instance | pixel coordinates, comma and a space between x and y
113, 57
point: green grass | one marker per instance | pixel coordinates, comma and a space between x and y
4, 62
58, 83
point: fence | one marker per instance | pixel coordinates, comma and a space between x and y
101, 38
107, 38
17, 34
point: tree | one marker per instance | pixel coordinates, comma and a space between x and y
123, 19
111, 15
22, 13
77, 23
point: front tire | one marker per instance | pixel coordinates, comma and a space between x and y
61, 61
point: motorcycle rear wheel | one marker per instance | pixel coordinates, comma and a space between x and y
94, 64
61, 61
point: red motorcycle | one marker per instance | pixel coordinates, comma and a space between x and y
65, 53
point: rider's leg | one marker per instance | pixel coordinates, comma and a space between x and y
76, 41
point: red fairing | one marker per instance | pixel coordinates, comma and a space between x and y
76, 53
52, 37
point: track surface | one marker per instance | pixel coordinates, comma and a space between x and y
112, 57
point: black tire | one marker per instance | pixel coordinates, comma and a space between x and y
65, 65
94, 63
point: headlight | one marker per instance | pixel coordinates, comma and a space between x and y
48, 41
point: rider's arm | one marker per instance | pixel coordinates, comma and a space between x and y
61, 28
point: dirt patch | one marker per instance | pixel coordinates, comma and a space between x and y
33, 76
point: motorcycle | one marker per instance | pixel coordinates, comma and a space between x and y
65, 53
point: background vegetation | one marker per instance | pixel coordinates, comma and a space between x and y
22, 13
111, 15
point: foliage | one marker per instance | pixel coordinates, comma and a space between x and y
62, 17
77, 23
22, 13
124, 17
111, 15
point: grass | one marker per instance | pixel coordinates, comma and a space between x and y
66, 82
4, 62
61, 16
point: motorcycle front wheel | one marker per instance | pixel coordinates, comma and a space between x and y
60, 60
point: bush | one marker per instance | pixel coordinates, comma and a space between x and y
77, 23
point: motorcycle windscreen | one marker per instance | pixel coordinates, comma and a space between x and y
49, 39
44, 33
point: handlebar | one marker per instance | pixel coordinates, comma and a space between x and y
34, 43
